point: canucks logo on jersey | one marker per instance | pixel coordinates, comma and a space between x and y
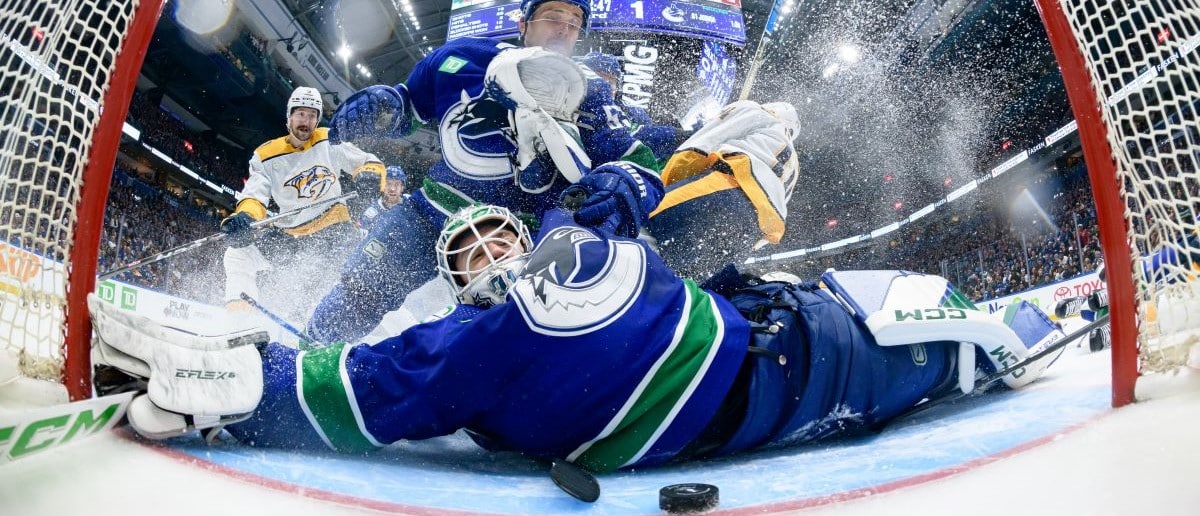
312, 183
561, 295
472, 134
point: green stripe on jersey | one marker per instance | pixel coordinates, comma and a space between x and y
956, 299
328, 399
641, 154
663, 391
445, 199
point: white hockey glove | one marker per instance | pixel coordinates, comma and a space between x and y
194, 381
542, 91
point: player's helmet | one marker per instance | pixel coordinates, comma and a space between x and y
528, 7
396, 173
305, 96
491, 282
601, 63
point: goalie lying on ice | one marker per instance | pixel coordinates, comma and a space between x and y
586, 347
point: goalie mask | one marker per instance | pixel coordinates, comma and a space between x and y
481, 251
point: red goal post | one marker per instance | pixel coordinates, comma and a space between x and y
1132, 74
68, 69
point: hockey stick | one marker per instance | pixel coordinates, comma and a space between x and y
305, 340
983, 384
215, 237
34, 430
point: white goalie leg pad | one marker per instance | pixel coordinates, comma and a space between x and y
999, 341
543, 91
151, 421
190, 374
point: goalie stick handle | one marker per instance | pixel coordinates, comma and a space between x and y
983, 383
163, 255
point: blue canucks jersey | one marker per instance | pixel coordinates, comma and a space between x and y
371, 215
601, 355
447, 90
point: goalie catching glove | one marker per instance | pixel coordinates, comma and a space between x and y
194, 381
542, 91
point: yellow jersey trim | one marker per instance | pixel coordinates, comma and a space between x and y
335, 215
280, 146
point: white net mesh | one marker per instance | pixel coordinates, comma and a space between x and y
56, 58
1146, 71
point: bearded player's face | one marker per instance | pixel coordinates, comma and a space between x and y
302, 122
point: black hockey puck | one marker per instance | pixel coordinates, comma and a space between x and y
575, 480
688, 497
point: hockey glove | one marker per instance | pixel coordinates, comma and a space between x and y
617, 197
238, 230
379, 110
193, 381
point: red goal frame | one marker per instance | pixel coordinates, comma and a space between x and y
1108, 195
85, 249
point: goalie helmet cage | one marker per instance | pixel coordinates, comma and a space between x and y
68, 69
1132, 76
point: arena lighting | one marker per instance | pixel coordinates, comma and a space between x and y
849, 54
345, 52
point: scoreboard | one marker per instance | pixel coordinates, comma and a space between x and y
715, 20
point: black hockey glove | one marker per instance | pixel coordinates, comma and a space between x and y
617, 197
237, 229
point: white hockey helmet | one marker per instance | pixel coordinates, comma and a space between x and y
487, 285
307, 97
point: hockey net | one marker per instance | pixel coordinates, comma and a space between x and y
67, 70
1132, 73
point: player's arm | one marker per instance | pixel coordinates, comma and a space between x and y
367, 170
615, 198
251, 205
605, 131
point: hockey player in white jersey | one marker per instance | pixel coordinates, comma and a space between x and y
295, 171
728, 187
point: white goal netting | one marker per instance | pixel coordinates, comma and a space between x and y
1145, 69
57, 59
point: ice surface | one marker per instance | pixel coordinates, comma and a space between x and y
1055, 447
